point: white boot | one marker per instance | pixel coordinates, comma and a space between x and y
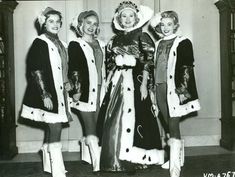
46, 161
84, 151
57, 163
166, 165
92, 142
175, 165
182, 153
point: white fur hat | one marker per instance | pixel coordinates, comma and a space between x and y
155, 20
42, 16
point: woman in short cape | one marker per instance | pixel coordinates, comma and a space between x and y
46, 98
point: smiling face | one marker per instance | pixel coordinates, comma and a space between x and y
168, 26
90, 25
53, 23
127, 18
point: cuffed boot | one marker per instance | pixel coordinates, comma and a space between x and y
92, 142
175, 165
84, 151
46, 162
57, 163
166, 165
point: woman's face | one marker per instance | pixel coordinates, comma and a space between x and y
168, 26
90, 25
53, 23
127, 18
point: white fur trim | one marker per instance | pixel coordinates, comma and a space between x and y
125, 60
127, 150
129, 60
74, 22
128, 117
175, 109
41, 18
90, 106
156, 19
42, 116
56, 67
119, 60
148, 157
103, 72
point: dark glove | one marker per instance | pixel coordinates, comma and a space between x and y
182, 89
75, 82
40, 82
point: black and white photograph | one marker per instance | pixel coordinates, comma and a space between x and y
117, 88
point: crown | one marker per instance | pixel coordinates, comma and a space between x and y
127, 4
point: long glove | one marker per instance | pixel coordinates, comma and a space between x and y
76, 85
182, 89
40, 82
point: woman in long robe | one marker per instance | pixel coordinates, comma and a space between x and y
130, 134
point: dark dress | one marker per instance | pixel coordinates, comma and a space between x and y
51, 61
130, 132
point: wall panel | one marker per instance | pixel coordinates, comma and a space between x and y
198, 21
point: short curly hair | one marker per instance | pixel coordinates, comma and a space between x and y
168, 14
82, 16
171, 14
118, 18
52, 12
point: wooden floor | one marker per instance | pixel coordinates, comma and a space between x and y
199, 162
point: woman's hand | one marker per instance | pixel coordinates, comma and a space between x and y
68, 86
106, 85
143, 87
143, 91
76, 97
48, 103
